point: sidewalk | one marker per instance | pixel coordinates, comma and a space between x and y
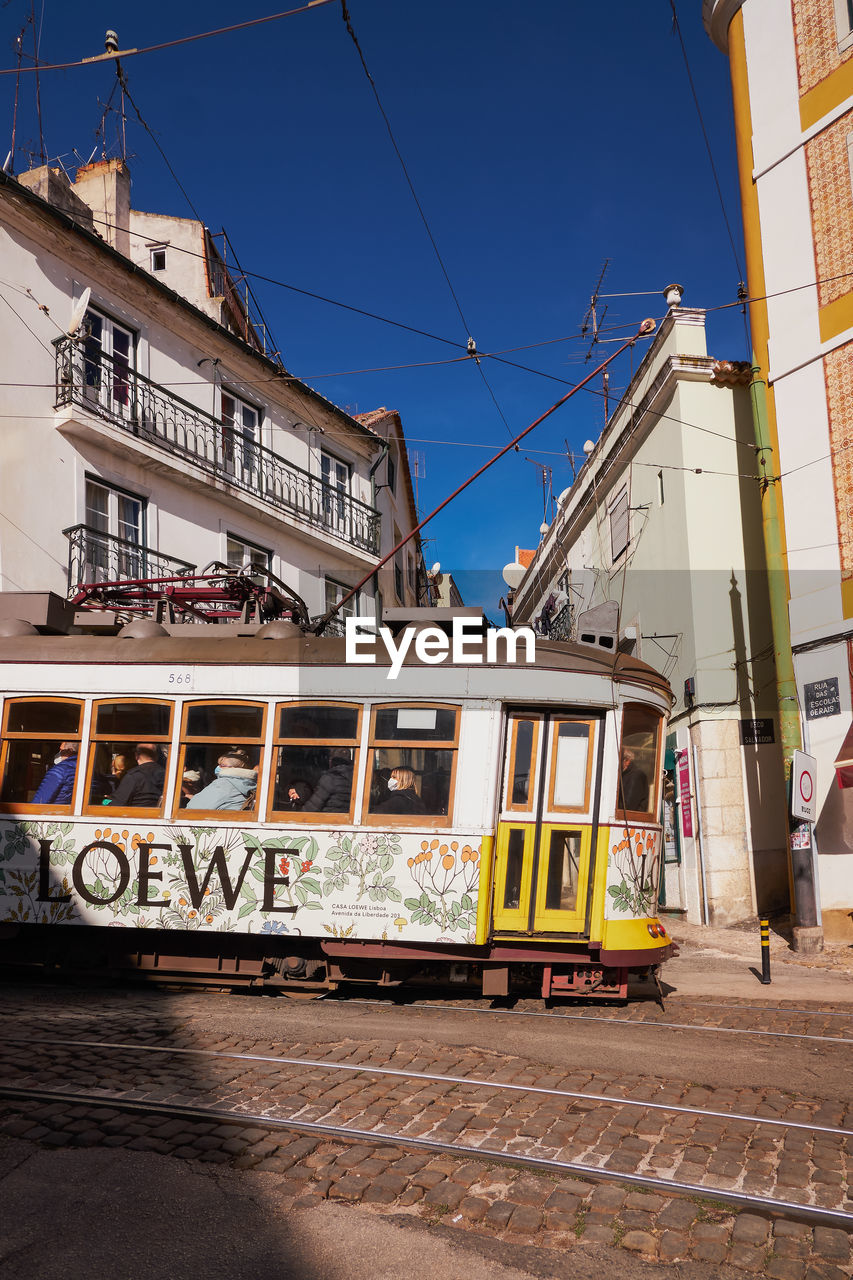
726, 962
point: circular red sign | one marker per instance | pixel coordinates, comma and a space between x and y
806, 787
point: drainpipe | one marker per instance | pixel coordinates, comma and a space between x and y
700, 838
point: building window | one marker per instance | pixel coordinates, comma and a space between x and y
412, 578
240, 422
336, 477
392, 473
115, 534
240, 553
619, 525
158, 258
398, 581
844, 24
335, 592
108, 355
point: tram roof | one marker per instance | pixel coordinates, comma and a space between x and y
239, 646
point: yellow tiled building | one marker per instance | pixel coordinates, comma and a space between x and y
792, 83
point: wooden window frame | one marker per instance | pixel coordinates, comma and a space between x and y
217, 815
446, 744
14, 736
315, 818
641, 816
515, 719
130, 811
556, 720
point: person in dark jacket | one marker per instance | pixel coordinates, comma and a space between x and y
633, 783
403, 797
57, 785
333, 790
142, 786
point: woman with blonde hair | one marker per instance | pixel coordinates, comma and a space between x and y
403, 794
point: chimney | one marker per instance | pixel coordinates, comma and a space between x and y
105, 187
54, 186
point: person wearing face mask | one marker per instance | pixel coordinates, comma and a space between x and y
232, 787
57, 785
403, 797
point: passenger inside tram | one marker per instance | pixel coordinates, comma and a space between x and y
233, 786
333, 791
57, 785
402, 794
142, 786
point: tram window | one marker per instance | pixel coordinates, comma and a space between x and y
41, 743
514, 869
128, 757
220, 759
638, 760
571, 764
561, 883
409, 775
316, 761
523, 760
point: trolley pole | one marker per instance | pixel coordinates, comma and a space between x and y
645, 330
765, 951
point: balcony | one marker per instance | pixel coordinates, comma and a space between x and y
562, 624
100, 557
111, 390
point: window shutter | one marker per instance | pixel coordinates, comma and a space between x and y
619, 525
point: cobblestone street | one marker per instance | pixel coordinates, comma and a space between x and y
469, 1190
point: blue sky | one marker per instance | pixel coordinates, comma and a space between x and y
542, 138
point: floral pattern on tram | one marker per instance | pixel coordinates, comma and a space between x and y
367, 885
633, 873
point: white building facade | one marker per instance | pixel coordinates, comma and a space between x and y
160, 437
663, 521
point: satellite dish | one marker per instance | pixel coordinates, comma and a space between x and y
78, 311
513, 574
436, 568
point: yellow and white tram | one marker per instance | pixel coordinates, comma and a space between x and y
521, 840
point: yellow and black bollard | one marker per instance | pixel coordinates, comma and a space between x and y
765, 951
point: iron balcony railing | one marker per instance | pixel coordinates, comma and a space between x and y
100, 557
562, 624
109, 388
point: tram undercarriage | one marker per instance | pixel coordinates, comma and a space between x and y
316, 968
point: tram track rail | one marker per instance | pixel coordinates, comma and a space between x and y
630, 1022
742, 1200
503, 1086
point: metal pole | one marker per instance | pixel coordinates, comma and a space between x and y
699, 834
765, 952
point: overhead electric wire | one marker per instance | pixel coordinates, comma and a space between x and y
454, 342
677, 29
471, 344
170, 44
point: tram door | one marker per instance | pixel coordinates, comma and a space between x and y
542, 856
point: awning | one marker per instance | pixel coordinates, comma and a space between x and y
844, 761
